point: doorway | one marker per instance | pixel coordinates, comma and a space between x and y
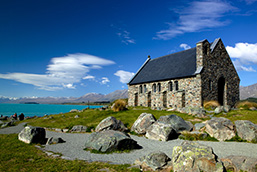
164, 99
221, 89
136, 99
149, 99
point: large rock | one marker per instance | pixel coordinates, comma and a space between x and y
220, 128
153, 161
177, 123
194, 157
110, 140
142, 123
32, 134
161, 131
246, 130
54, 140
79, 128
240, 163
110, 123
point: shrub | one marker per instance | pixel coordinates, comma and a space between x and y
246, 105
119, 105
211, 104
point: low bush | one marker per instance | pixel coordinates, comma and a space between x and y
246, 105
211, 104
119, 105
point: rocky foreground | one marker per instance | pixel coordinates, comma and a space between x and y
159, 147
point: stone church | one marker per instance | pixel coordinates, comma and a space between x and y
186, 79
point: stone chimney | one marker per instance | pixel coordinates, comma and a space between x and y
202, 50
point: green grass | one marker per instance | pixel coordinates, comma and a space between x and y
91, 118
18, 156
241, 114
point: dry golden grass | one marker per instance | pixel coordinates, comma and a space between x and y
119, 105
246, 105
211, 104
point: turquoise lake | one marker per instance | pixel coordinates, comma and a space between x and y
39, 109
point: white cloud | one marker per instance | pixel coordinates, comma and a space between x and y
90, 77
184, 46
125, 76
61, 73
244, 51
199, 15
105, 80
245, 55
239, 66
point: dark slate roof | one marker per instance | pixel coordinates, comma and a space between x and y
177, 65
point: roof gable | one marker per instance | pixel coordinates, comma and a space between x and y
177, 65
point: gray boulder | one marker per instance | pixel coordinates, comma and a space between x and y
110, 123
153, 161
246, 130
177, 123
226, 108
54, 140
110, 140
32, 134
199, 126
142, 123
220, 128
79, 128
218, 109
194, 157
161, 131
240, 163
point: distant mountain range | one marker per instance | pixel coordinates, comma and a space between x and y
245, 92
248, 91
91, 97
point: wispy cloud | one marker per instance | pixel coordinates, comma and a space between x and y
199, 15
125, 76
249, 2
245, 55
62, 72
184, 46
124, 35
105, 80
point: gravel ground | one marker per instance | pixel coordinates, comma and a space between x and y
74, 145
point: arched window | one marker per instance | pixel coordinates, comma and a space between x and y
159, 87
176, 85
145, 89
170, 86
140, 89
154, 87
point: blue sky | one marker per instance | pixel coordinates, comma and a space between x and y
67, 48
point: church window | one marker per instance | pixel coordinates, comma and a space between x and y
170, 86
176, 85
159, 87
154, 87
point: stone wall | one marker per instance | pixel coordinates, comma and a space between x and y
217, 66
188, 94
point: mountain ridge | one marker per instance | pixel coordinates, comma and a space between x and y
91, 97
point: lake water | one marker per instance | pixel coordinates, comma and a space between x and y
39, 109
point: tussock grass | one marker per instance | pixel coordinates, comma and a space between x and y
120, 105
211, 104
18, 156
246, 105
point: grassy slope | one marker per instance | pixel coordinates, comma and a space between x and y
18, 156
91, 118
